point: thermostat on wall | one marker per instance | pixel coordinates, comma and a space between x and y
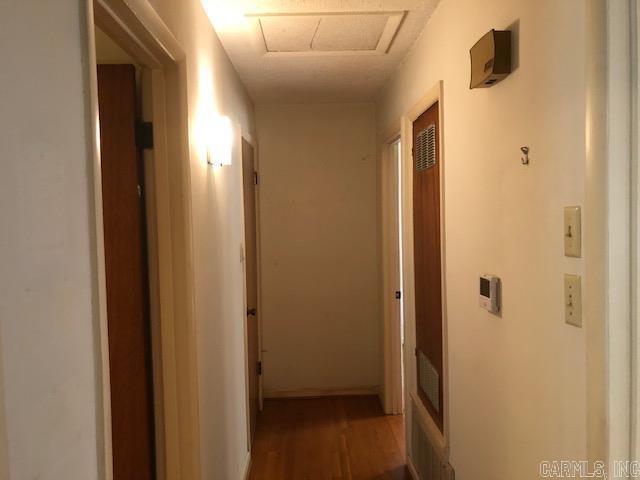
490, 293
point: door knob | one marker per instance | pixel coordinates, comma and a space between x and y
252, 311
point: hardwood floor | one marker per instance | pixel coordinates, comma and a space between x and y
331, 438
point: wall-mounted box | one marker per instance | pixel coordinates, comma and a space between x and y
490, 293
491, 59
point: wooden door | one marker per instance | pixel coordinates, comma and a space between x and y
126, 275
251, 265
427, 258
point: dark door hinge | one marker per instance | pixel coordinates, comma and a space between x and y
144, 135
256, 178
259, 368
398, 295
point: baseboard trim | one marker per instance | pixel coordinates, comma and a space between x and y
323, 392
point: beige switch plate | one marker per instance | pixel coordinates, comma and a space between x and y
572, 232
573, 300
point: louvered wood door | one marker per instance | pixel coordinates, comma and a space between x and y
427, 258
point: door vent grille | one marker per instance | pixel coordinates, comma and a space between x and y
428, 461
425, 152
429, 380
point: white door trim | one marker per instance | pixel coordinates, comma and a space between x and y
608, 218
635, 237
251, 141
635, 233
392, 395
136, 26
618, 291
433, 95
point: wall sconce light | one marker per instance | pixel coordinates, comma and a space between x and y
220, 149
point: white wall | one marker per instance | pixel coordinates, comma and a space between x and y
517, 382
320, 311
218, 232
47, 287
46, 281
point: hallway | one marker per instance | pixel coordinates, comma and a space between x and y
330, 438
319, 239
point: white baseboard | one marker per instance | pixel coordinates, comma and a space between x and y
323, 392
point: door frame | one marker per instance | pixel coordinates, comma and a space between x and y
392, 394
611, 222
136, 26
440, 439
250, 140
635, 225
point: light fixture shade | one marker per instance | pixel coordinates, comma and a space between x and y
221, 137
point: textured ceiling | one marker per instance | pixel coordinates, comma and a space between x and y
322, 33
317, 50
349, 32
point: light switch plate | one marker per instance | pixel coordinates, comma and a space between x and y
573, 300
572, 232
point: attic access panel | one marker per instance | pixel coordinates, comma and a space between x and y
328, 33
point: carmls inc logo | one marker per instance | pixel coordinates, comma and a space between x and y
584, 469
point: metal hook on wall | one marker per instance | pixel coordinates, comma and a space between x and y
525, 159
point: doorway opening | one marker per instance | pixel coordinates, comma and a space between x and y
144, 262
252, 327
396, 158
397, 146
393, 278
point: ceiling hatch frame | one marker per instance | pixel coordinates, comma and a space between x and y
385, 41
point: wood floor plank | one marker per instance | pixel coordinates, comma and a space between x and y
330, 438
